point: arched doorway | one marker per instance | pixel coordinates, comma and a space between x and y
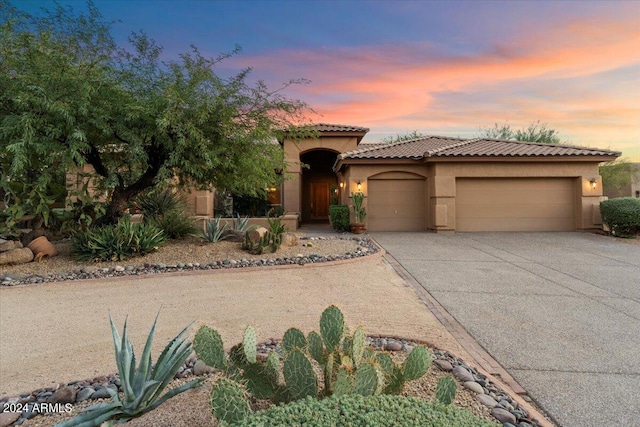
318, 182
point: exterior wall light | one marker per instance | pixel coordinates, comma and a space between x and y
341, 185
359, 185
594, 183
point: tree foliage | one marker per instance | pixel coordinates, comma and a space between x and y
403, 137
617, 174
70, 96
535, 132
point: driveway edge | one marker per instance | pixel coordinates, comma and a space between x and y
484, 361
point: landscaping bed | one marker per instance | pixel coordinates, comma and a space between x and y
187, 254
192, 408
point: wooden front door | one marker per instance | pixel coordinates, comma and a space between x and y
319, 200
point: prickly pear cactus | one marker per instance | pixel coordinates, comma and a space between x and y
273, 367
258, 381
299, 377
446, 390
343, 383
394, 381
249, 343
209, 348
417, 363
294, 338
367, 380
315, 347
357, 345
228, 402
384, 361
329, 374
332, 327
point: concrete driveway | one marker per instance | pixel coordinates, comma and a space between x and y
560, 311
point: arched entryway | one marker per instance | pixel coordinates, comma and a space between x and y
318, 183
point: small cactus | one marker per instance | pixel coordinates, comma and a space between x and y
209, 347
315, 347
249, 344
446, 390
343, 383
332, 327
258, 381
328, 374
357, 345
294, 338
273, 367
228, 402
417, 363
299, 377
367, 380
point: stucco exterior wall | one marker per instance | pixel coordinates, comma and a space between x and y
441, 185
292, 188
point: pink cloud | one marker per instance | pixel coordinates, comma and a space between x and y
403, 86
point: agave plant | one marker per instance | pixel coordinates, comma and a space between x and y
214, 231
143, 386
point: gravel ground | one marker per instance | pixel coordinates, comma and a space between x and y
188, 251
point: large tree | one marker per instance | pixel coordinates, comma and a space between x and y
535, 132
70, 96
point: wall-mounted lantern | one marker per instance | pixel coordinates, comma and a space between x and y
594, 183
359, 185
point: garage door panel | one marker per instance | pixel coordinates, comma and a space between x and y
528, 204
512, 210
396, 205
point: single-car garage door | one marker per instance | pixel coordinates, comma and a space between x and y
396, 205
518, 204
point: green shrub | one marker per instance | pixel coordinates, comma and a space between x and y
143, 385
365, 411
622, 216
175, 225
167, 210
347, 364
339, 215
116, 242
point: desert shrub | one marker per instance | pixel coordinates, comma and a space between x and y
167, 210
116, 242
366, 411
348, 366
339, 215
622, 216
175, 225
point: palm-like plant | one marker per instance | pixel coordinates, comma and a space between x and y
142, 387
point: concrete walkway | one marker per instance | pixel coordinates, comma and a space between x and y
59, 332
560, 311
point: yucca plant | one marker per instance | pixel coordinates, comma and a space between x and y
158, 203
142, 386
214, 231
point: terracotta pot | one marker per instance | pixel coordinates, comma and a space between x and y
41, 246
357, 228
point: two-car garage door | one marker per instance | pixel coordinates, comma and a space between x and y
517, 204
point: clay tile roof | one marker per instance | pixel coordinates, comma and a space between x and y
411, 149
445, 147
327, 127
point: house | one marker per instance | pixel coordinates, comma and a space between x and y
630, 189
440, 183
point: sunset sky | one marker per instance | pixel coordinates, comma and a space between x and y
439, 67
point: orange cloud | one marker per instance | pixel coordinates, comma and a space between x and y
409, 87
